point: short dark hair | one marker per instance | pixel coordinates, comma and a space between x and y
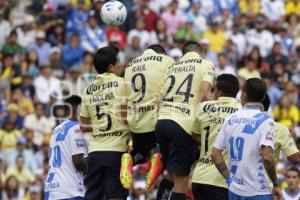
73, 100
266, 102
228, 84
104, 57
157, 48
255, 90
294, 169
191, 46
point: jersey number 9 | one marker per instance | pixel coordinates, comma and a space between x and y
141, 89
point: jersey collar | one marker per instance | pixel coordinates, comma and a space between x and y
253, 106
191, 54
230, 99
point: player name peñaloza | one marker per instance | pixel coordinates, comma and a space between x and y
102, 97
212, 108
94, 87
144, 59
178, 69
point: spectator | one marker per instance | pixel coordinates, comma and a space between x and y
46, 85
259, 60
161, 33
13, 116
292, 7
13, 190
5, 30
280, 75
250, 8
72, 52
76, 17
28, 88
31, 66
286, 112
292, 92
57, 64
231, 53
133, 49
249, 71
273, 9
47, 19
42, 47
260, 37
8, 137
115, 34
286, 40
208, 54
293, 180
274, 92
238, 39
39, 123
97, 9
294, 71
57, 36
26, 153
10, 71
42, 155
34, 192
293, 24
216, 37
24, 104
93, 37
30, 144
276, 56
26, 33
172, 17
11, 47
223, 67
139, 31
24, 176
196, 18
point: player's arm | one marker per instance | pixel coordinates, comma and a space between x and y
205, 91
288, 145
294, 158
85, 124
79, 162
269, 163
219, 162
207, 82
216, 154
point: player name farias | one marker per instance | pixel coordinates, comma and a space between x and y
213, 108
94, 87
144, 59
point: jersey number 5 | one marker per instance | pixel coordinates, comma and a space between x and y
100, 115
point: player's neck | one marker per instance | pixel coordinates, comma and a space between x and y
254, 105
293, 191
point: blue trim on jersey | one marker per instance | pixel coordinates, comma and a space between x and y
50, 177
260, 118
233, 196
61, 136
46, 195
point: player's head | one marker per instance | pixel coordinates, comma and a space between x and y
106, 60
293, 178
192, 47
227, 85
72, 104
266, 103
254, 91
157, 48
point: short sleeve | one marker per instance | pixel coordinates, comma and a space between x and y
220, 142
76, 141
267, 132
84, 111
288, 145
209, 73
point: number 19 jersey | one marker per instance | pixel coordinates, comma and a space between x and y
182, 89
101, 102
210, 117
144, 79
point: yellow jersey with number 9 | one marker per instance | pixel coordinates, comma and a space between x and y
145, 77
182, 89
210, 117
101, 102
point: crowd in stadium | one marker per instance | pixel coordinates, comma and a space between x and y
47, 50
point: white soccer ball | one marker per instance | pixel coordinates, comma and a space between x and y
113, 13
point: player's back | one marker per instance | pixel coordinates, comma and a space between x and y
245, 132
102, 104
182, 89
63, 180
210, 116
145, 77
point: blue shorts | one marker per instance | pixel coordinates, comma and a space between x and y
233, 196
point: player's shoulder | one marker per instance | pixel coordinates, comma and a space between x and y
281, 128
207, 105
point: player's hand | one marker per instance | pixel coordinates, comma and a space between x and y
276, 193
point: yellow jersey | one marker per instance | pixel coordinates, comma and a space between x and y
210, 117
101, 102
182, 89
144, 79
283, 142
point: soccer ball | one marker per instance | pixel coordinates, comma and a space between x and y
113, 13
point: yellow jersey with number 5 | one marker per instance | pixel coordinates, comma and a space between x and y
101, 102
144, 78
182, 89
210, 117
